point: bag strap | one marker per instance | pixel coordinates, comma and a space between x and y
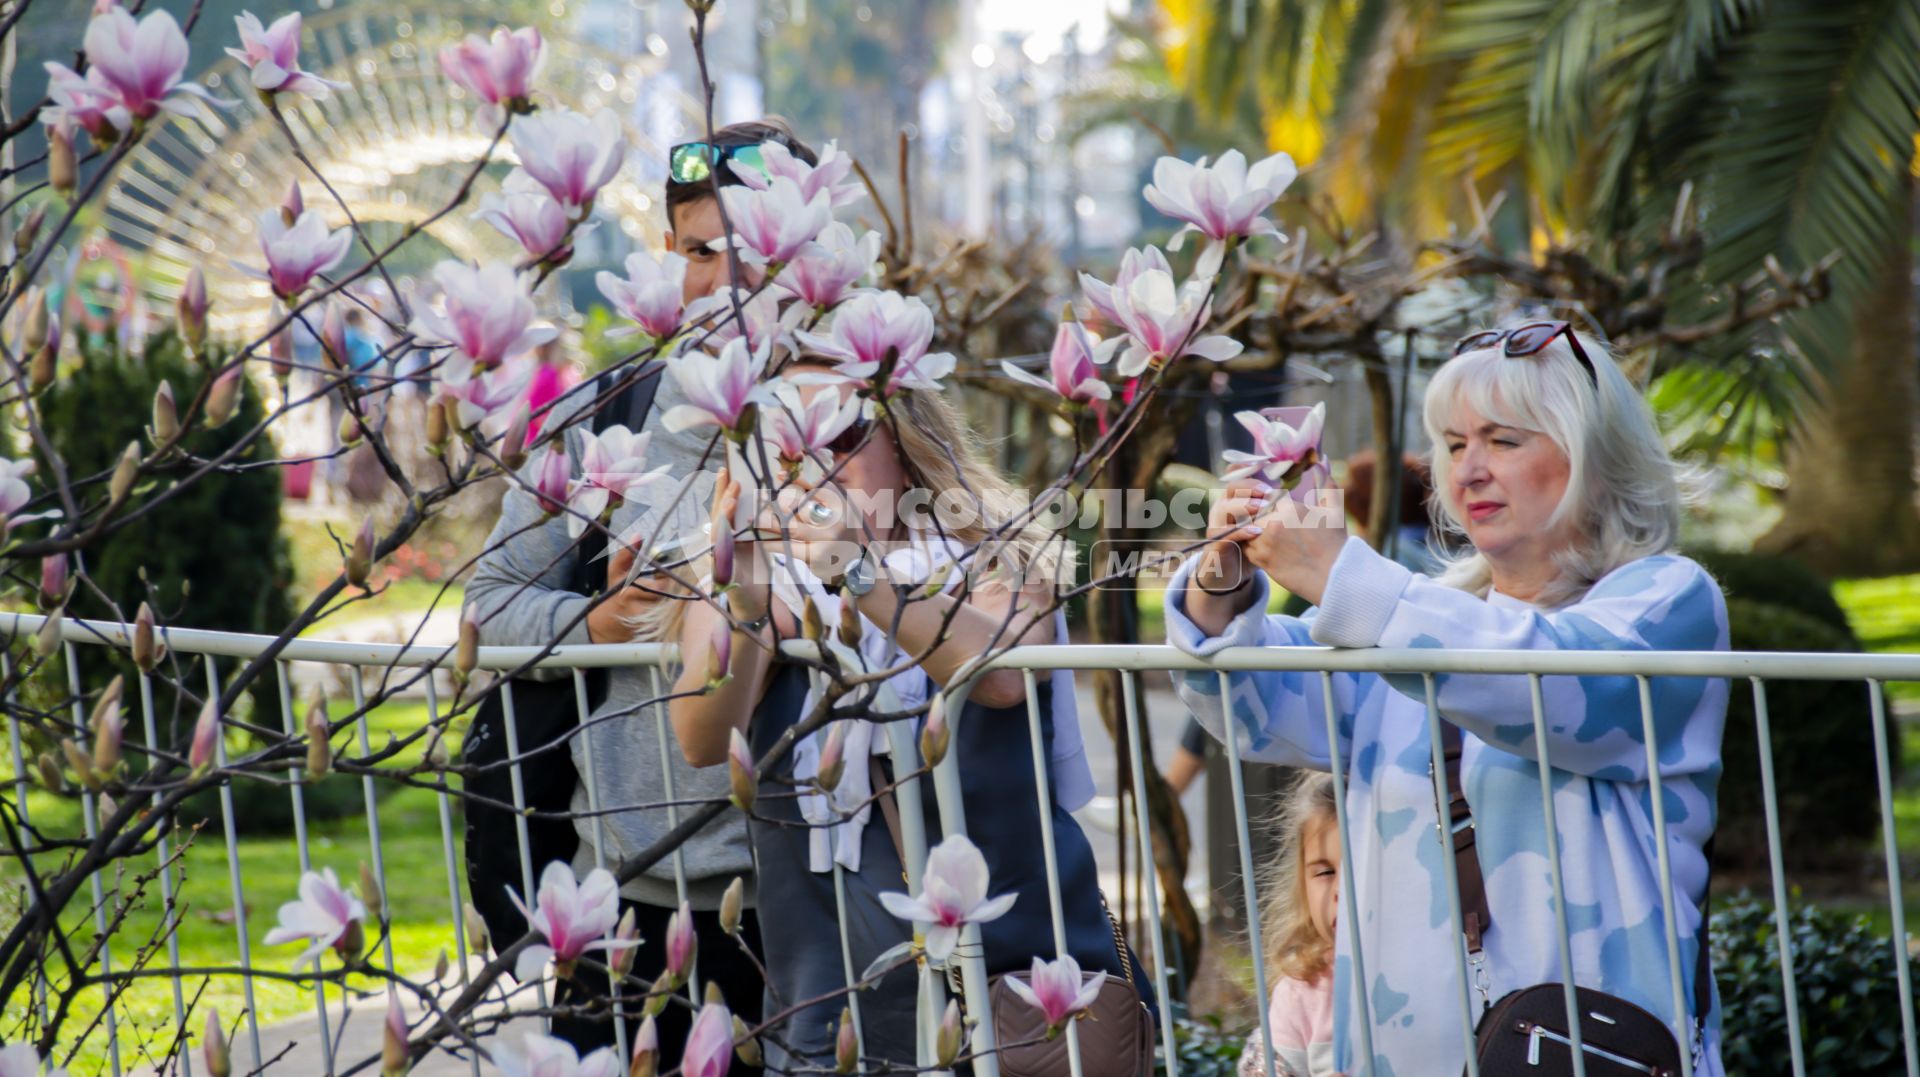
1473, 885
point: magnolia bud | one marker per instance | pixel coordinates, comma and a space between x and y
280, 349
47, 640
360, 555
108, 728
319, 742
731, 903
436, 426
740, 773
846, 1049
206, 735
80, 763
63, 167
476, 928
108, 805
811, 625
722, 553
293, 205
394, 1057
849, 628
333, 337
49, 770
833, 758
214, 1047
46, 362
713, 995
441, 966
745, 1046
513, 443
223, 398
146, 654
191, 308
682, 944
166, 417
466, 654
349, 431
720, 656
39, 321
620, 959
370, 892
352, 945
124, 472
29, 232
947, 1042
935, 735
646, 1051
53, 580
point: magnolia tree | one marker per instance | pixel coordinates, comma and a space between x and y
863, 306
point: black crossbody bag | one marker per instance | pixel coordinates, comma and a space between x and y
545, 712
1526, 1030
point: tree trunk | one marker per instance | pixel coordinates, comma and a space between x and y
1850, 500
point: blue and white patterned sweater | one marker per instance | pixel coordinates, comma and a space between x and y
1602, 800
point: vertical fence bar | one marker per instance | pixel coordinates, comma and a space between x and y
1443, 832
1883, 766
1044, 795
904, 748
515, 782
953, 820
673, 813
1577, 1047
846, 963
1250, 899
170, 917
455, 911
20, 778
589, 777
1671, 914
238, 889
1783, 931
369, 790
90, 817
1137, 729
296, 788
1339, 771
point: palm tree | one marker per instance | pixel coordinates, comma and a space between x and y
1794, 120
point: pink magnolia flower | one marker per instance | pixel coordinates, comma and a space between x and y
953, 894
322, 916
719, 389
1136, 261
1277, 445
273, 54
1164, 322
14, 491
547, 475
298, 253
570, 155
869, 327
680, 943
612, 466
800, 429
524, 212
1222, 202
498, 70
21, 1060
573, 916
709, 1049
649, 295
83, 101
489, 393
488, 317
138, 65
830, 175
1056, 989
1074, 364
545, 1056
771, 226
820, 273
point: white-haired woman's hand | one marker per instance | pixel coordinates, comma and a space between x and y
1253, 524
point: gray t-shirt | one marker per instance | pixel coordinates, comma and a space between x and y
635, 760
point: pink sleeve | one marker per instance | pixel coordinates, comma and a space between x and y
1292, 1010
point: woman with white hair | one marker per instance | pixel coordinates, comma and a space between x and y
1548, 463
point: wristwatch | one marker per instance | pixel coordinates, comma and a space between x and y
860, 576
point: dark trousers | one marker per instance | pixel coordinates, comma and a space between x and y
718, 960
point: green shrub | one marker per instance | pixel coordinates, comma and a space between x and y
1203, 1048
1845, 981
1776, 581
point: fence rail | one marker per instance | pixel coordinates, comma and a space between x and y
1755, 668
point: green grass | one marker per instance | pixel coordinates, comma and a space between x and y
1885, 614
416, 887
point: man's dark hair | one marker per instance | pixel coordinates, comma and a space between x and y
751, 133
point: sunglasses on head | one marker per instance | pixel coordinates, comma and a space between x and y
849, 440
695, 162
1528, 339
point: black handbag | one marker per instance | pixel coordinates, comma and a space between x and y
545, 712
1526, 1031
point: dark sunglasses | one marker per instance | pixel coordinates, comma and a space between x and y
695, 162
1529, 339
849, 440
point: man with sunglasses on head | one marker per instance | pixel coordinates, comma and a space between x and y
534, 583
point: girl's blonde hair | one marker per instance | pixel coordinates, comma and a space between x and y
1295, 948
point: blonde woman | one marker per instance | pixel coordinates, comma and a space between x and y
879, 475
1302, 901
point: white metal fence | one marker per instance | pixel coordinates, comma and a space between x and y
1754, 668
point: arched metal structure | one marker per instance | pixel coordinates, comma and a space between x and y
395, 142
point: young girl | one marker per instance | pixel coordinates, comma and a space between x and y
1302, 885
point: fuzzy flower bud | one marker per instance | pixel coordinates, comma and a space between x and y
108, 728
441, 966
166, 416
513, 443
723, 541
811, 624
213, 1047
63, 166
53, 580
146, 654
45, 366
646, 1050
745, 1046
293, 205
846, 1049
681, 944
437, 427
47, 640
319, 741
833, 758
731, 904
849, 627
48, 769
224, 398
476, 928
720, 657
81, 763
466, 654
620, 960
935, 734
370, 891
740, 772
124, 473
39, 322
394, 1057
191, 309
206, 736
29, 232
947, 1042
360, 556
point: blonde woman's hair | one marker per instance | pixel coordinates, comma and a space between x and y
1294, 946
1623, 497
659, 622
